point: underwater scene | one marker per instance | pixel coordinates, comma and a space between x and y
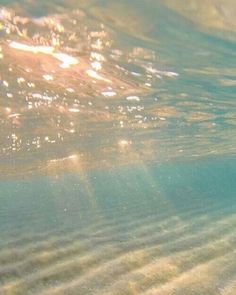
118, 147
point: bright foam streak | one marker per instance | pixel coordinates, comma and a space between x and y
33, 49
95, 75
66, 59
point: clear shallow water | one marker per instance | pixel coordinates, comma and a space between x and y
117, 147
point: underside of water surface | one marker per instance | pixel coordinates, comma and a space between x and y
117, 147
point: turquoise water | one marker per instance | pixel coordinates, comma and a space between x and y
117, 147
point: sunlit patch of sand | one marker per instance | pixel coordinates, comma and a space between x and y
119, 258
101, 272
200, 279
163, 269
63, 268
136, 281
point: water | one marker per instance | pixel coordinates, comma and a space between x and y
117, 147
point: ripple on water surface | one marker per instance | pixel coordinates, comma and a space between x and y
78, 90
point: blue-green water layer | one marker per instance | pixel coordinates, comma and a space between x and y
159, 230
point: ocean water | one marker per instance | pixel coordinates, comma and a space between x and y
117, 147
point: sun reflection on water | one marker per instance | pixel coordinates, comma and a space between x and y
70, 84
